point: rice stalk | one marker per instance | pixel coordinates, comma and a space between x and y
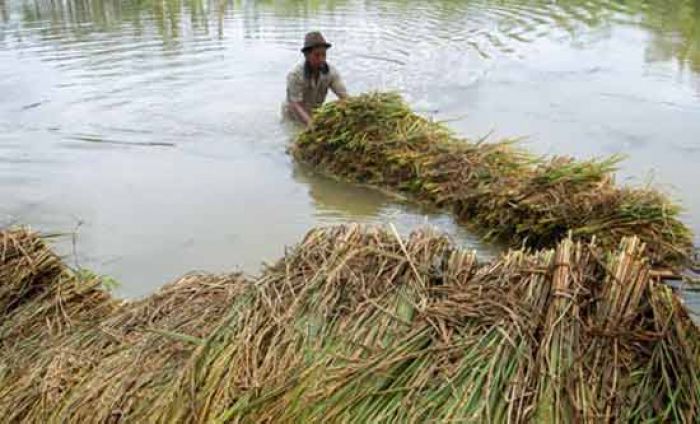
355, 324
510, 195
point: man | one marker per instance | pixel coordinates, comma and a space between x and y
308, 82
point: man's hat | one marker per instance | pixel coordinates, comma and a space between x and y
314, 39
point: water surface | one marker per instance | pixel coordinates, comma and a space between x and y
152, 128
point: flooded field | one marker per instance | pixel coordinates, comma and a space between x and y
152, 129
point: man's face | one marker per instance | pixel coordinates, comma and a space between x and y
316, 57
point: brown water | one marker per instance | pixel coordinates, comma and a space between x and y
153, 129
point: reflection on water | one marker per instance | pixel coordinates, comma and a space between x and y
674, 25
351, 202
154, 126
337, 201
676, 32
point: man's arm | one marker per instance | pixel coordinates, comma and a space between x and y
299, 110
337, 85
295, 98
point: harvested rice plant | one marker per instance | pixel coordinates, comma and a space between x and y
354, 324
500, 189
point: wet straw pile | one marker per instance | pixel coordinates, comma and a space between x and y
354, 324
69, 351
510, 195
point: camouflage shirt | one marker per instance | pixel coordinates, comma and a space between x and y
312, 91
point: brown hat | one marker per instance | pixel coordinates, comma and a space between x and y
314, 39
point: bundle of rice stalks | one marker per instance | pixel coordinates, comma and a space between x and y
377, 139
27, 267
570, 335
357, 324
44, 302
153, 340
73, 353
329, 286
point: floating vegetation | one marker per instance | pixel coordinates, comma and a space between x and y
505, 192
354, 324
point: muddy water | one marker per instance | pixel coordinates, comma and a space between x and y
151, 129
